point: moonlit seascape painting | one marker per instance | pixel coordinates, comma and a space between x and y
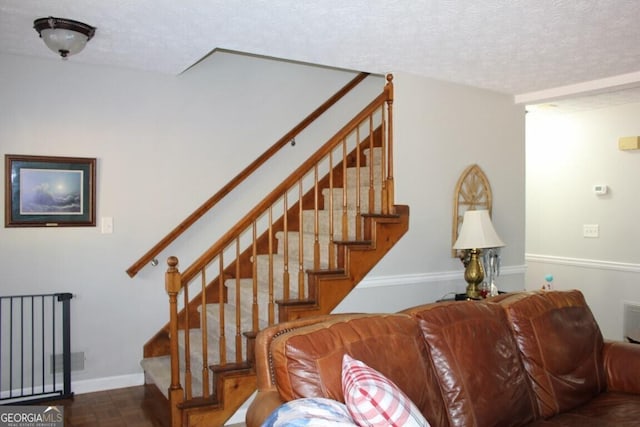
50, 192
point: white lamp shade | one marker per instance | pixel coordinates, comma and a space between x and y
63, 40
477, 232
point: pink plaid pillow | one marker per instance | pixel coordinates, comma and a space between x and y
374, 400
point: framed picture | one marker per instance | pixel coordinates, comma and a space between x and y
45, 191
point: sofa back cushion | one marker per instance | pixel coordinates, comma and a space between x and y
307, 362
475, 357
561, 347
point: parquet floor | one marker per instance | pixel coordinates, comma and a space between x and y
139, 406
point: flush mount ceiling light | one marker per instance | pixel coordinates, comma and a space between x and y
64, 36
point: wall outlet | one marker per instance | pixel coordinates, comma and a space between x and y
591, 230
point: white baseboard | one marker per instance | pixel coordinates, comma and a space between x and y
108, 383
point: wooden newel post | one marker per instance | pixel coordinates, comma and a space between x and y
390, 182
172, 285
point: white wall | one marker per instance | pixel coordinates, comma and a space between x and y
567, 154
164, 144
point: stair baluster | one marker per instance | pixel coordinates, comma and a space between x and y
204, 341
173, 285
388, 191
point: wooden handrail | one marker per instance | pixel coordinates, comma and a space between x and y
238, 179
197, 265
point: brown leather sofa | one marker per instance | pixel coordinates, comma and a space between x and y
520, 359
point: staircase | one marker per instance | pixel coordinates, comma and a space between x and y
297, 253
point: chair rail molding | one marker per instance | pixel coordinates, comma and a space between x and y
584, 263
420, 278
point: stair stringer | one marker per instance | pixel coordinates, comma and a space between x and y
327, 288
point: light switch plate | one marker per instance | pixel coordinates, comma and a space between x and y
107, 225
600, 189
591, 230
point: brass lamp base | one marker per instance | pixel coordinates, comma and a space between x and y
474, 275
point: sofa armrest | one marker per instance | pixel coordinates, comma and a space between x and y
265, 402
622, 364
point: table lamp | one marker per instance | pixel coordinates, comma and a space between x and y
477, 233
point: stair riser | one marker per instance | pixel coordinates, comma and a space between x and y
308, 247
246, 312
278, 276
195, 344
246, 293
352, 199
213, 332
158, 370
213, 318
308, 223
365, 177
377, 157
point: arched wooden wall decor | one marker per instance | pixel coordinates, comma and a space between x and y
472, 192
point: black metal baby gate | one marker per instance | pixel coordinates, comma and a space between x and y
35, 347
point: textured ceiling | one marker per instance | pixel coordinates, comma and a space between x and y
511, 46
